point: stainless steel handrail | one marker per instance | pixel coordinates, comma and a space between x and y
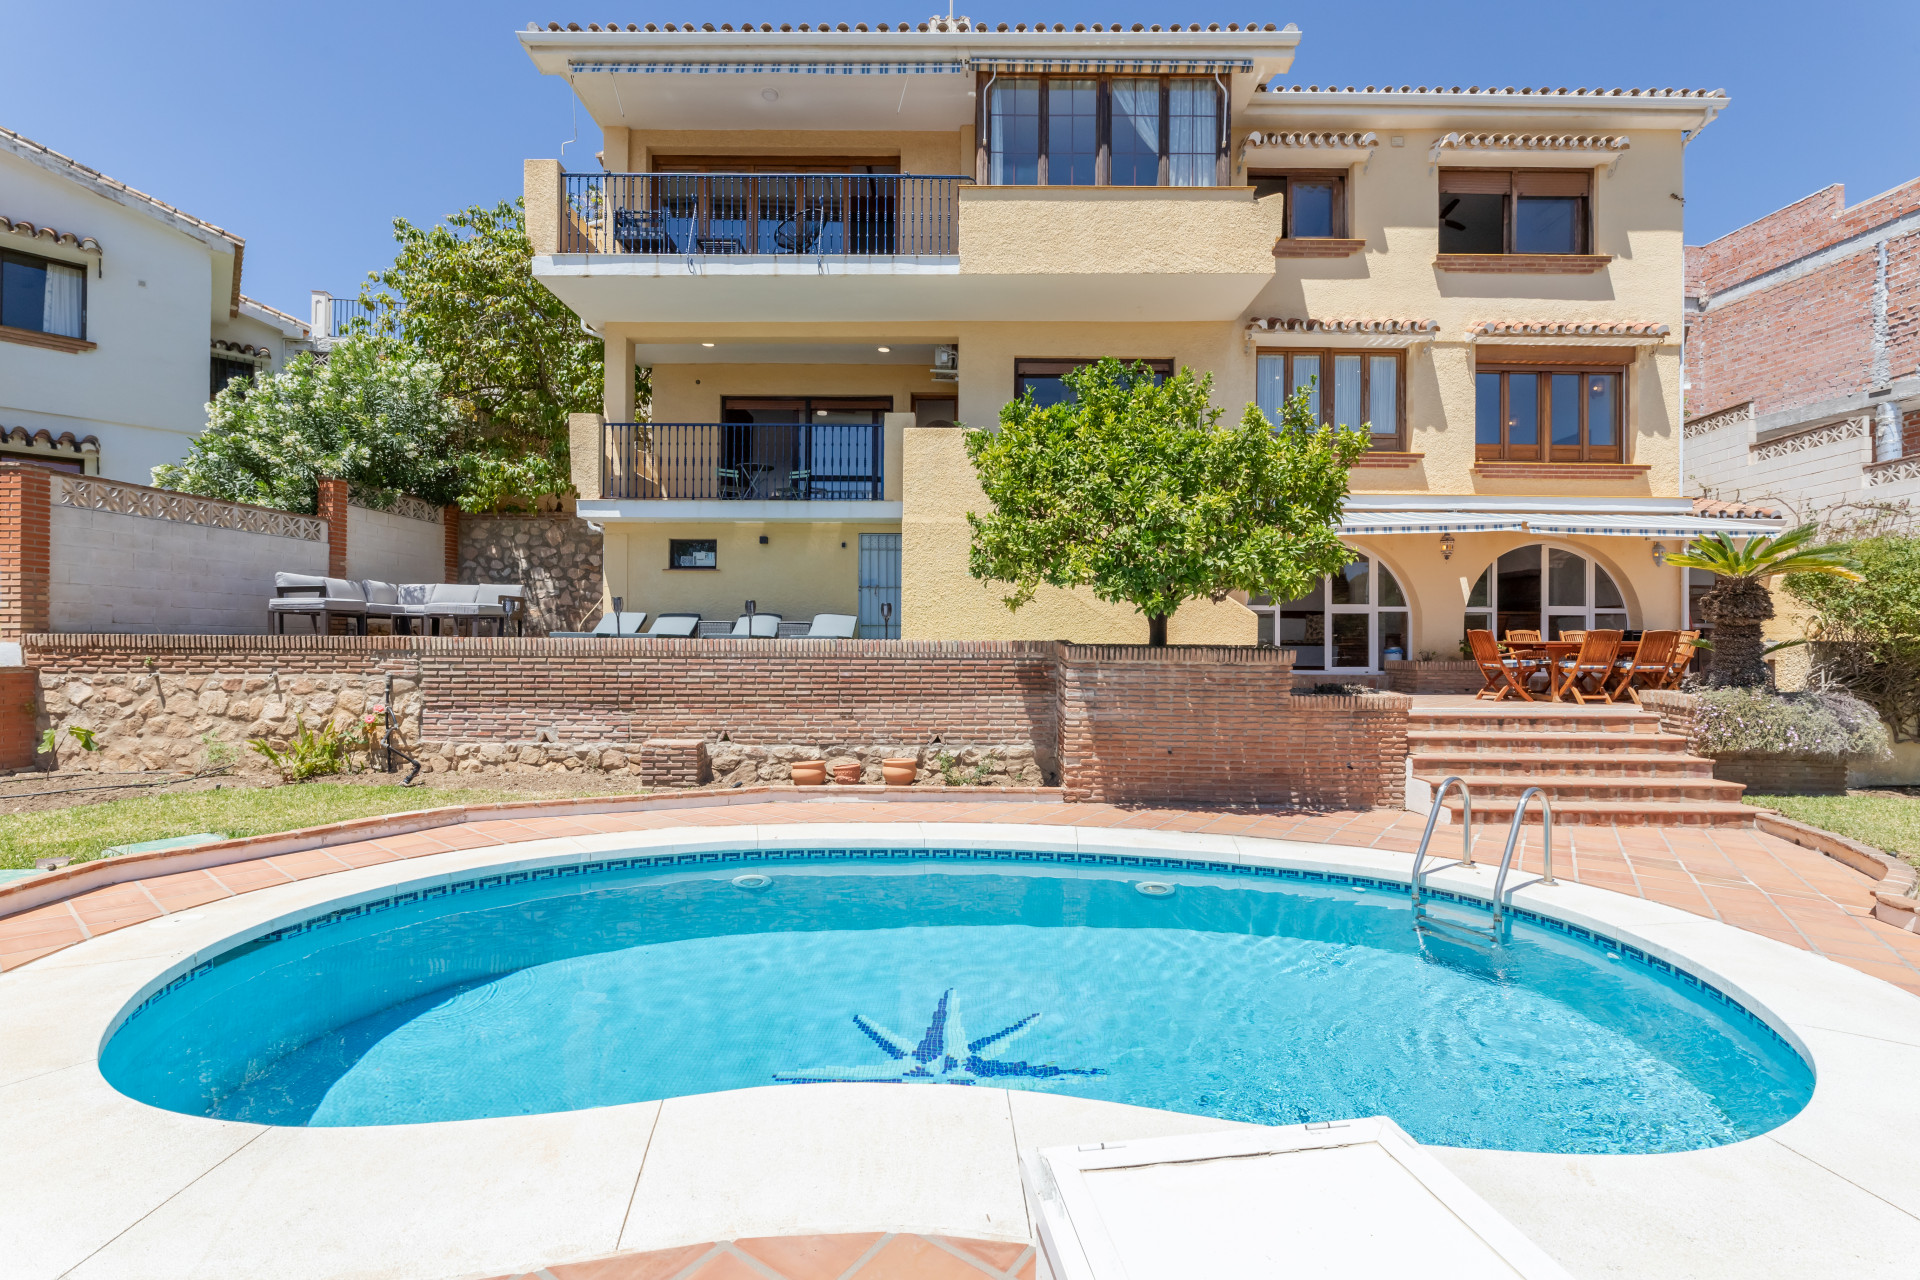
1433, 817
1513, 841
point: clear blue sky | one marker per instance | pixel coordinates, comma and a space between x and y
306, 128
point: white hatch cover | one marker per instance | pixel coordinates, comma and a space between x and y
1348, 1201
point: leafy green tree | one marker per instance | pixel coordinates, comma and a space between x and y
1740, 603
1134, 490
371, 414
1867, 631
512, 356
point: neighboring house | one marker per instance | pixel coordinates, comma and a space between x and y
832, 245
120, 315
334, 317
1803, 357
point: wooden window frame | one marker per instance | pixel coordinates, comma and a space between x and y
1510, 210
1103, 128
1287, 177
1023, 367
1546, 452
1376, 441
56, 341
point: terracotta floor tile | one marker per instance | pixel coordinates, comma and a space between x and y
307, 864
728, 1266
1029, 1271
998, 1254
364, 853
656, 1264
809, 1257
190, 889
912, 1258
242, 877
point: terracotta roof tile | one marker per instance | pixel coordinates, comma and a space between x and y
1735, 510
1565, 329
1509, 91
25, 146
21, 227
1532, 142
1314, 141
45, 439
941, 24
1273, 324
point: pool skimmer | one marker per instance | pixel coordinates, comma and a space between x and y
1154, 888
752, 880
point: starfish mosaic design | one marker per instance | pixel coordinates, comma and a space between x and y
942, 1055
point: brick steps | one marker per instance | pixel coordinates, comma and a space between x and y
1599, 765
1452, 742
1628, 813
1570, 787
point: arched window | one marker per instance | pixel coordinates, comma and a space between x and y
1545, 589
1353, 621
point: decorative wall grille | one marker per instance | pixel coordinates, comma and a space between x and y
405, 505
1817, 438
90, 493
1714, 421
1895, 471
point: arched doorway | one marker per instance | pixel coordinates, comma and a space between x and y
1546, 589
1354, 620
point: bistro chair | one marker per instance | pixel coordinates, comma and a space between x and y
642, 231
801, 232
1523, 637
1594, 662
1651, 662
1573, 637
1504, 675
732, 483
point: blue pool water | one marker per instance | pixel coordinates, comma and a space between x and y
1274, 998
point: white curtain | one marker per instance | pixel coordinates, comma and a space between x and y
1270, 386
1306, 377
66, 286
1383, 395
1193, 133
1346, 391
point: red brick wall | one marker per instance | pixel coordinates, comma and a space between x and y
674, 762
1207, 725
19, 717
450, 530
332, 508
26, 499
1808, 339
1119, 723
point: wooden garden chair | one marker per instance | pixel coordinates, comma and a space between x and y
1504, 675
1594, 662
1683, 651
1523, 637
1651, 662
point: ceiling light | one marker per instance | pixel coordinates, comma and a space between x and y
771, 95
883, 350
706, 344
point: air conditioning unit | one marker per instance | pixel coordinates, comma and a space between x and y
946, 364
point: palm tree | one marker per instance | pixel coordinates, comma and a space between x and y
1740, 602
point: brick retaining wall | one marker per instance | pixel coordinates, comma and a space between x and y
1435, 677
1192, 724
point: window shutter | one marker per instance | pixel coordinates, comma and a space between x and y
1476, 182
1554, 184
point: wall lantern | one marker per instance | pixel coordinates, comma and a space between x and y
1659, 554
1446, 546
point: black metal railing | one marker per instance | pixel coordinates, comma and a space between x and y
346, 315
746, 461
825, 215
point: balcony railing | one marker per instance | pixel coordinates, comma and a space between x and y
344, 315
746, 461
820, 215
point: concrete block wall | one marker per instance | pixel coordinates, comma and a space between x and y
393, 546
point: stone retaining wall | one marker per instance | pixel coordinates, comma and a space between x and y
1191, 724
557, 558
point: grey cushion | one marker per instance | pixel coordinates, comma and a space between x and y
413, 595
298, 581
381, 592
833, 626
346, 589
494, 593
453, 593
630, 624
675, 624
759, 624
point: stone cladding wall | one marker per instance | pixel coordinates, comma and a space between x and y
557, 558
1199, 724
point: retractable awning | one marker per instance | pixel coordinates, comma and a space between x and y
1635, 524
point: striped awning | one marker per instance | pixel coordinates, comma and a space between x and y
1114, 66
761, 67
1625, 524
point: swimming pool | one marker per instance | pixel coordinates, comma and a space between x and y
1264, 994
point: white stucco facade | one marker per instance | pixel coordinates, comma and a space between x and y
162, 297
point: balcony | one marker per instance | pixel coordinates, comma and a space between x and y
760, 216
745, 462
817, 248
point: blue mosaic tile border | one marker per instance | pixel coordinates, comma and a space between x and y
1144, 862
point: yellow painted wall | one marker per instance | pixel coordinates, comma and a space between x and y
692, 392
1104, 230
940, 600
802, 570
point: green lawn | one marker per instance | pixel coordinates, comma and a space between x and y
82, 831
1888, 820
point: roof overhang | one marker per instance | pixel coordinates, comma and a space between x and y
657, 511
1570, 111
899, 80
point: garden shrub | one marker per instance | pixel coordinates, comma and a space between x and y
1823, 722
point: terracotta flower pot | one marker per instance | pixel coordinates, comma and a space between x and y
899, 773
847, 774
810, 773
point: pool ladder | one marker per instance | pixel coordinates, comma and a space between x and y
1458, 930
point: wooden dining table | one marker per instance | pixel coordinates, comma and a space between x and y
1552, 651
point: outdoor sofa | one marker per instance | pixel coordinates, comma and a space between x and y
434, 604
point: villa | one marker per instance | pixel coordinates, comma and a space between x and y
831, 247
